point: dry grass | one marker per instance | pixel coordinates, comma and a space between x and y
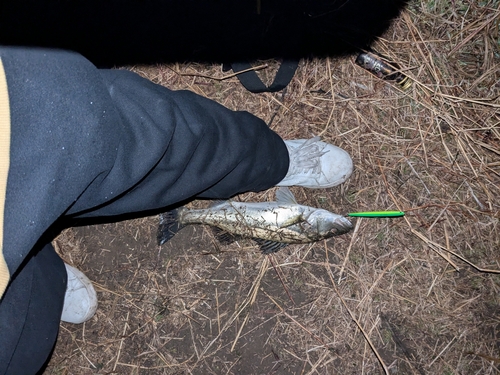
418, 295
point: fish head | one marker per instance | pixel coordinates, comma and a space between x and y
326, 224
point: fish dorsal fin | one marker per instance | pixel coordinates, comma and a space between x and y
285, 196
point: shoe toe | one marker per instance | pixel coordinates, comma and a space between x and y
316, 164
337, 166
80, 300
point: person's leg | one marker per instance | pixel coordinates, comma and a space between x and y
105, 143
89, 143
177, 145
99, 143
30, 313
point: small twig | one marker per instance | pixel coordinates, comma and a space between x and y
281, 279
353, 238
217, 305
379, 358
485, 356
333, 99
78, 346
444, 349
473, 34
433, 246
438, 217
481, 206
230, 367
486, 270
239, 332
121, 341
247, 302
295, 321
192, 339
318, 363
416, 174
375, 283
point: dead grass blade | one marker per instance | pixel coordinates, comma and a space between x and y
365, 335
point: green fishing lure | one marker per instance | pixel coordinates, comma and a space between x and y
377, 214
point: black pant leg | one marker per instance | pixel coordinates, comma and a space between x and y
177, 145
89, 142
95, 143
30, 313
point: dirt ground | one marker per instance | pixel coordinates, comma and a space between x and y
413, 295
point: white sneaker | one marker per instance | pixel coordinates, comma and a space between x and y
80, 300
316, 164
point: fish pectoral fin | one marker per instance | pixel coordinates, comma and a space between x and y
269, 247
168, 227
285, 196
224, 237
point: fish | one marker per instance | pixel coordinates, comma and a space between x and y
273, 225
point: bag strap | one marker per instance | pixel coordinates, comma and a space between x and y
251, 81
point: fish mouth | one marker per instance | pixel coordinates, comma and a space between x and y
341, 226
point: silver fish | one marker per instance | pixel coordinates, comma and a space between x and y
272, 225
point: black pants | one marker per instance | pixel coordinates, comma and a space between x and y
89, 143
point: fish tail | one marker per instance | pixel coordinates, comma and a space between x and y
168, 227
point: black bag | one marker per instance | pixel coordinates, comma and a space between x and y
118, 32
